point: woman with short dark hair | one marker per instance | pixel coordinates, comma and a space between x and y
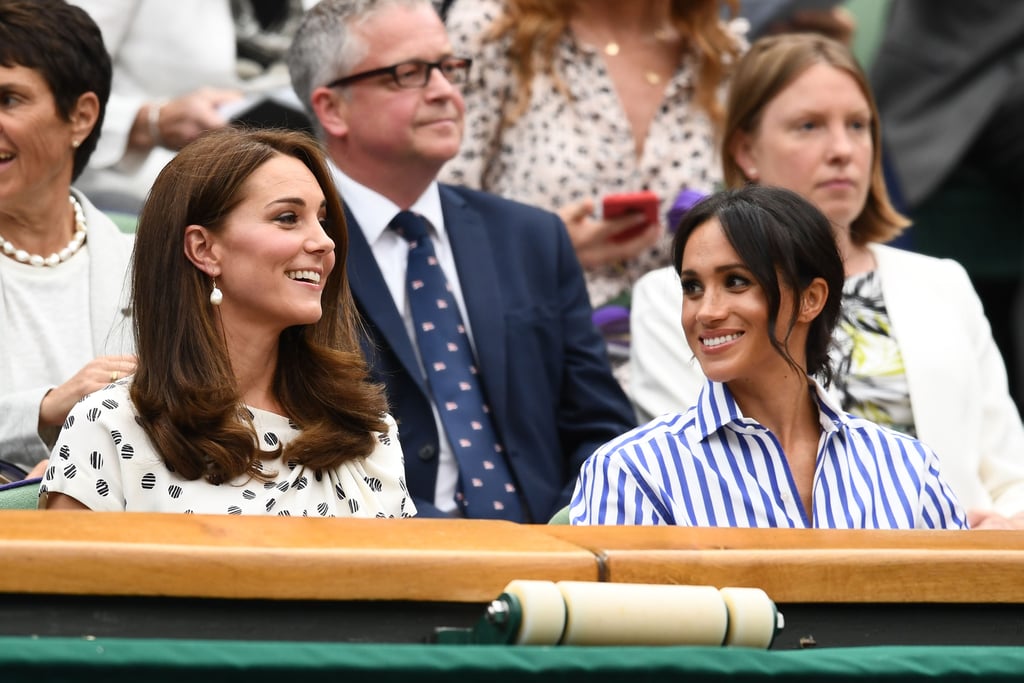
62, 262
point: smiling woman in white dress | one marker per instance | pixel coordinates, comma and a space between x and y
251, 395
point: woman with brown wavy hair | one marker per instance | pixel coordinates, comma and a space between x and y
572, 100
251, 394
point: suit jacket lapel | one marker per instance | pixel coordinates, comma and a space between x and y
371, 292
481, 292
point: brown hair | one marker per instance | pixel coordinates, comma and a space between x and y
765, 71
184, 389
534, 28
63, 44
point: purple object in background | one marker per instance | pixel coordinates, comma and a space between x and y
684, 201
612, 320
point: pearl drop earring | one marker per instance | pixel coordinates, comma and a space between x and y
216, 296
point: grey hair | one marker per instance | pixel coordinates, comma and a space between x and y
326, 47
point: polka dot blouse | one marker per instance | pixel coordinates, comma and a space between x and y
560, 151
105, 460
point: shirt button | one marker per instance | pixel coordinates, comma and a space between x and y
785, 497
427, 451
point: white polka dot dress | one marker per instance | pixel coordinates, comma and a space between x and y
105, 460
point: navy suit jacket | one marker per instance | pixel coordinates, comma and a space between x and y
542, 363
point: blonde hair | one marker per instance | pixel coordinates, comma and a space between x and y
765, 71
534, 28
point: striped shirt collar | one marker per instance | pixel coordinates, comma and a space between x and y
716, 408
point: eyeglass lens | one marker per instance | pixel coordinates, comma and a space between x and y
417, 74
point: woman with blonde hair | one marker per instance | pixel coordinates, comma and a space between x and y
251, 394
573, 100
913, 349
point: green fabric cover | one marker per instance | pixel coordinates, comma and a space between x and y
20, 497
560, 517
38, 660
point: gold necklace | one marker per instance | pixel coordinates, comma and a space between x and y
611, 49
662, 35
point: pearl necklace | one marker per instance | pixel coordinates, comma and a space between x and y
56, 258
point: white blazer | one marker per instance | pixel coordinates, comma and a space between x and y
956, 377
110, 253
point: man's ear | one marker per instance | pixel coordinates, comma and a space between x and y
331, 109
812, 300
201, 249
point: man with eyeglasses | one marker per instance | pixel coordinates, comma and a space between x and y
535, 395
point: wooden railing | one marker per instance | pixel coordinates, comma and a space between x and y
135, 554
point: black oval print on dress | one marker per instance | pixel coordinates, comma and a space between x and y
148, 480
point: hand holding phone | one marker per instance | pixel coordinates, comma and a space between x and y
622, 204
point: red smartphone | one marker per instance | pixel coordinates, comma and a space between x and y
615, 205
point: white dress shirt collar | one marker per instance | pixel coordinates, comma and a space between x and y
374, 212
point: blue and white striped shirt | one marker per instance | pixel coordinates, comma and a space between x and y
710, 466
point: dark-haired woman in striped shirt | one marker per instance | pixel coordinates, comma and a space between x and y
764, 446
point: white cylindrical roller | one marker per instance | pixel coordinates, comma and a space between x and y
543, 612
642, 614
752, 617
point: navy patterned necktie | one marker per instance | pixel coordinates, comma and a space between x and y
485, 490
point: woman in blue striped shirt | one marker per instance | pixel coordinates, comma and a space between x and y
764, 446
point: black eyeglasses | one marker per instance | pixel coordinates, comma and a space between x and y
415, 73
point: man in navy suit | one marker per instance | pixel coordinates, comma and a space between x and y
382, 86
